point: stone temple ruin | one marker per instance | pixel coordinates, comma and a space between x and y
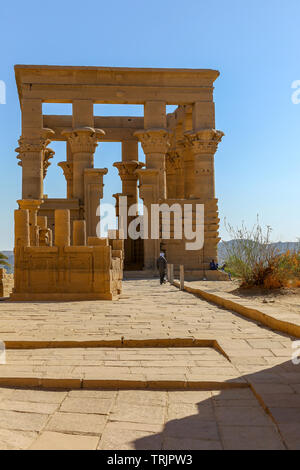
58, 255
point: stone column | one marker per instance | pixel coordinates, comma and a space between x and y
127, 172
117, 207
204, 144
170, 175
130, 150
32, 151
42, 221
83, 143
178, 151
179, 173
79, 233
187, 153
175, 181
129, 177
155, 141
149, 194
62, 228
33, 206
22, 240
22, 233
67, 168
93, 192
204, 140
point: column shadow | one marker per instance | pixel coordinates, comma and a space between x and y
265, 415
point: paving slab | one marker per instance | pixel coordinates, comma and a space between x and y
154, 336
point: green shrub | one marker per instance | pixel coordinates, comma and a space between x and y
3, 260
250, 255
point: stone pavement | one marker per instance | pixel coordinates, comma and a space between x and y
90, 367
280, 317
134, 419
152, 342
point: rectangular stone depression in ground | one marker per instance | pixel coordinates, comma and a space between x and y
109, 367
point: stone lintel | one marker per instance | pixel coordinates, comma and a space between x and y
126, 85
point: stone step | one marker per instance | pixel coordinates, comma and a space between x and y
119, 368
129, 275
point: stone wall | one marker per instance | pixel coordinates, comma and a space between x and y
6, 283
196, 259
63, 272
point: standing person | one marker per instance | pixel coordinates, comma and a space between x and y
223, 269
161, 264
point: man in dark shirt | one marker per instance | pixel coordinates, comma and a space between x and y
213, 266
161, 264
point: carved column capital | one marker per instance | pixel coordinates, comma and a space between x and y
67, 168
48, 153
30, 204
84, 139
204, 141
154, 140
173, 161
28, 147
127, 170
31, 152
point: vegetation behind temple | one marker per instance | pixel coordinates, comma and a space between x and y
251, 257
9, 261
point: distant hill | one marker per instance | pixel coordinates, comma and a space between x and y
10, 256
281, 247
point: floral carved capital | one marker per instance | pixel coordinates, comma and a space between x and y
173, 161
84, 139
154, 140
48, 153
127, 170
204, 141
67, 168
30, 146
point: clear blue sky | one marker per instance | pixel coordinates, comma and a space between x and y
255, 45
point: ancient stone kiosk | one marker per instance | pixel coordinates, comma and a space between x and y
58, 252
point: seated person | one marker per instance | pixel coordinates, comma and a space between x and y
213, 266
